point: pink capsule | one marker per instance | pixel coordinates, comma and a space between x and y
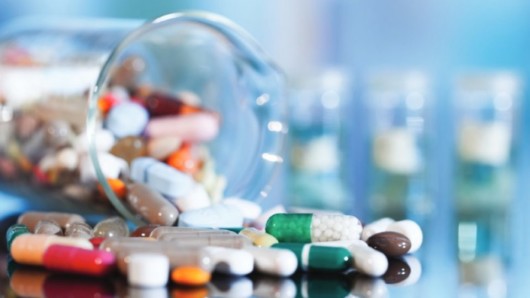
78, 260
196, 127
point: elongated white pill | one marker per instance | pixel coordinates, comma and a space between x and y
148, 270
274, 261
230, 261
216, 216
375, 227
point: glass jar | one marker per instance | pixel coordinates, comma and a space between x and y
485, 106
396, 104
196, 61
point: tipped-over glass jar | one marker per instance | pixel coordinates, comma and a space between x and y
186, 107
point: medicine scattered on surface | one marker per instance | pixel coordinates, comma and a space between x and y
77, 260
48, 227
365, 259
391, 244
148, 270
375, 227
409, 229
274, 261
13, 232
161, 177
216, 216
30, 219
259, 238
151, 205
29, 249
190, 276
306, 228
200, 240
111, 227
313, 257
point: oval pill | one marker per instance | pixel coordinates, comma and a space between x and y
307, 227
391, 244
30, 219
118, 120
147, 270
409, 229
29, 249
190, 276
111, 227
77, 260
152, 206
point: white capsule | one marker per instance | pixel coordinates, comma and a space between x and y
375, 227
147, 270
365, 259
230, 261
274, 261
409, 229
250, 210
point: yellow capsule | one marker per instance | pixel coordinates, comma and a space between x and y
259, 238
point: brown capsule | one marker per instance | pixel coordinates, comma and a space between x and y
151, 205
391, 244
129, 148
398, 270
144, 231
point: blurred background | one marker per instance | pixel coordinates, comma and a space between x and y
408, 109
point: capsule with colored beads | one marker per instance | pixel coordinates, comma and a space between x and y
314, 257
307, 227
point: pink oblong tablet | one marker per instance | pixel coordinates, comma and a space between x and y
196, 127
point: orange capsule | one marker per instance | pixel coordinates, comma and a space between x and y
190, 276
184, 161
117, 186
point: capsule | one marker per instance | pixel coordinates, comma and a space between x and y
307, 227
144, 231
13, 232
29, 249
314, 257
111, 227
48, 227
259, 238
162, 231
365, 259
375, 227
151, 205
79, 230
409, 229
77, 260
228, 241
30, 219
278, 262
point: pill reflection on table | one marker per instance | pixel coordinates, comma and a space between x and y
366, 286
230, 286
266, 286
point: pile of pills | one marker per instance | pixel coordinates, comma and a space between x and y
148, 143
150, 256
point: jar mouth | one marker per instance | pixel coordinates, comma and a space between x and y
208, 55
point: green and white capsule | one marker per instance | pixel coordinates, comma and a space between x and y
307, 227
314, 257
